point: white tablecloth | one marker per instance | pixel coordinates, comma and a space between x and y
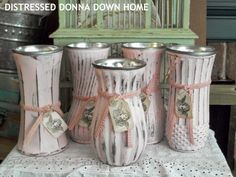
157, 160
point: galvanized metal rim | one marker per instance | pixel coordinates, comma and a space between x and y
34, 50
17, 40
5, 71
88, 45
103, 64
143, 45
192, 50
22, 15
22, 26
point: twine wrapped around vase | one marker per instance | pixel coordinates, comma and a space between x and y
38, 69
151, 53
189, 80
119, 133
81, 56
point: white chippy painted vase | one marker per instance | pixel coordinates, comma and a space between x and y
189, 80
119, 132
151, 53
38, 69
81, 56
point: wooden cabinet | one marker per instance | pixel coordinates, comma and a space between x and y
6, 145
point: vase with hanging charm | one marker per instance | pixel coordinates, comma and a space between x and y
119, 132
81, 56
42, 129
189, 86
151, 97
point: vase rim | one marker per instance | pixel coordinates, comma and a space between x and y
35, 50
143, 45
119, 64
193, 50
88, 45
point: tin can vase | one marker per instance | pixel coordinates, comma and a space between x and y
42, 129
119, 132
81, 56
189, 87
152, 101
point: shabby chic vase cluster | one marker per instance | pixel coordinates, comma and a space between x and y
117, 104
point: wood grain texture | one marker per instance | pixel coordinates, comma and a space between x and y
198, 18
6, 145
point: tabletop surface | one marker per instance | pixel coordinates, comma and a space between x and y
157, 160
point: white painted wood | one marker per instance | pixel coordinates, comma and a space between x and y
28, 65
184, 72
45, 70
192, 67
196, 91
202, 90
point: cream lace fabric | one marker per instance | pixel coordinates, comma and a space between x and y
157, 160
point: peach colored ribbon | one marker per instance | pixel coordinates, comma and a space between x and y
108, 97
189, 88
75, 119
41, 110
152, 85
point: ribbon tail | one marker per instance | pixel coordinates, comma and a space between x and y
77, 117
190, 130
172, 125
59, 111
101, 119
57, 108
129, 138
31, 132
152, 85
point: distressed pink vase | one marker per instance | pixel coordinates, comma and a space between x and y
81, 56
189, 86
119, 79
38, 69
151, 53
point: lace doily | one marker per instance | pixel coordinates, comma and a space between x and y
157, 160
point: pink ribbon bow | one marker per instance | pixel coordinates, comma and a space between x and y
41, 110
108, 97
189, 88
76, 117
